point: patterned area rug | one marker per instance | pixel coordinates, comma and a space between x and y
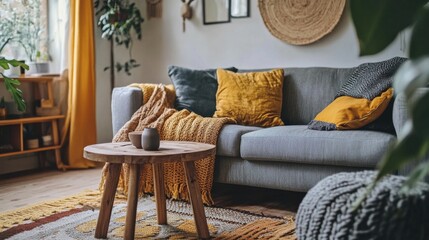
75, 218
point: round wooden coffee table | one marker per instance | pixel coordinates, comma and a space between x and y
115, 154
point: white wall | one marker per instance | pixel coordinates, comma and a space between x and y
243, 43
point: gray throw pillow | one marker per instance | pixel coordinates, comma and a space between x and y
195, 89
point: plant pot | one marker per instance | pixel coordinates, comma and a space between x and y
12, 72
37, 67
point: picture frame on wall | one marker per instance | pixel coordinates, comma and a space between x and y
216, 11
240, 8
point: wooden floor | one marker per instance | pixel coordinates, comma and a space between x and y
19, 191
25, 189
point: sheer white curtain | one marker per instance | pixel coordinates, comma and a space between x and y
58, 34
63, 30
59, 22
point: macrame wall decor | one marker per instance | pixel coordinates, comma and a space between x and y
154, 8
186, 12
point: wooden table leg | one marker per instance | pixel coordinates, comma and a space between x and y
196, 200
113, 171
56, 142
158, 181
133, 192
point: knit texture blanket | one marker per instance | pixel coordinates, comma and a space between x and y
369, 80
172, 125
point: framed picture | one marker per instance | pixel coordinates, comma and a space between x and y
216, 11
240, 8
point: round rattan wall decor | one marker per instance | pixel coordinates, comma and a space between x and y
301, 22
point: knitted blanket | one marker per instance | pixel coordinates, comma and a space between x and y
172, 125
369, 80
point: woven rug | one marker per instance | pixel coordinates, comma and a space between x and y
75, 217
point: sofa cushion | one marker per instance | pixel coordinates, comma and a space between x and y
354, 148
228, 143
306, 91
195, 89
251, 99
351, 113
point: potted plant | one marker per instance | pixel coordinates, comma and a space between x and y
26, 29
33, 37
7, 35
117, 19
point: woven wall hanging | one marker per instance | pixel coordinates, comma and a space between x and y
301, 22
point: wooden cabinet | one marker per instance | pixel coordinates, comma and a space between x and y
12, 130
14, 136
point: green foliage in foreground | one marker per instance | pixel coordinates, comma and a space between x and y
12, 84
377, 23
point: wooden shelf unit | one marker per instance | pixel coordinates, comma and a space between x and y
16, 126
40, 81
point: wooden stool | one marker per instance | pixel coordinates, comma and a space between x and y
115, 154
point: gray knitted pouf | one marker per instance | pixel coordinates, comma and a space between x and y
326, 211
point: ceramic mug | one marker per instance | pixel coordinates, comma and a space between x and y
150, 139
136, 139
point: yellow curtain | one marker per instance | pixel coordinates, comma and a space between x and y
81, 99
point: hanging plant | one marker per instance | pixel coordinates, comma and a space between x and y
117, 19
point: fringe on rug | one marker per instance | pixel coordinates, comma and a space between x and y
265, 229
36, 211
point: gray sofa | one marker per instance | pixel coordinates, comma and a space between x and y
290, 157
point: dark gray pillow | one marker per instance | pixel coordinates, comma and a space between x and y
195, 89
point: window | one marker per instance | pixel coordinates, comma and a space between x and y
24, 29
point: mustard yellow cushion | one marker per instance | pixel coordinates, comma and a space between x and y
253, 99
351, 113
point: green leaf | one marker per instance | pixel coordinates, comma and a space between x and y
4, 65
117, 19
15, 63
417, 174
14, 81
11, 87
406, 150
411, 75
378, 22
419, 44
420, 115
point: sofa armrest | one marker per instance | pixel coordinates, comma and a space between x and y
399, 113
400, 116
125, 101
400, 109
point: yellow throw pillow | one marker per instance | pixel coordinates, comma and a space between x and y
351, 113
253, 99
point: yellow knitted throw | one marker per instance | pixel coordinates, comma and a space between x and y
172, 125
